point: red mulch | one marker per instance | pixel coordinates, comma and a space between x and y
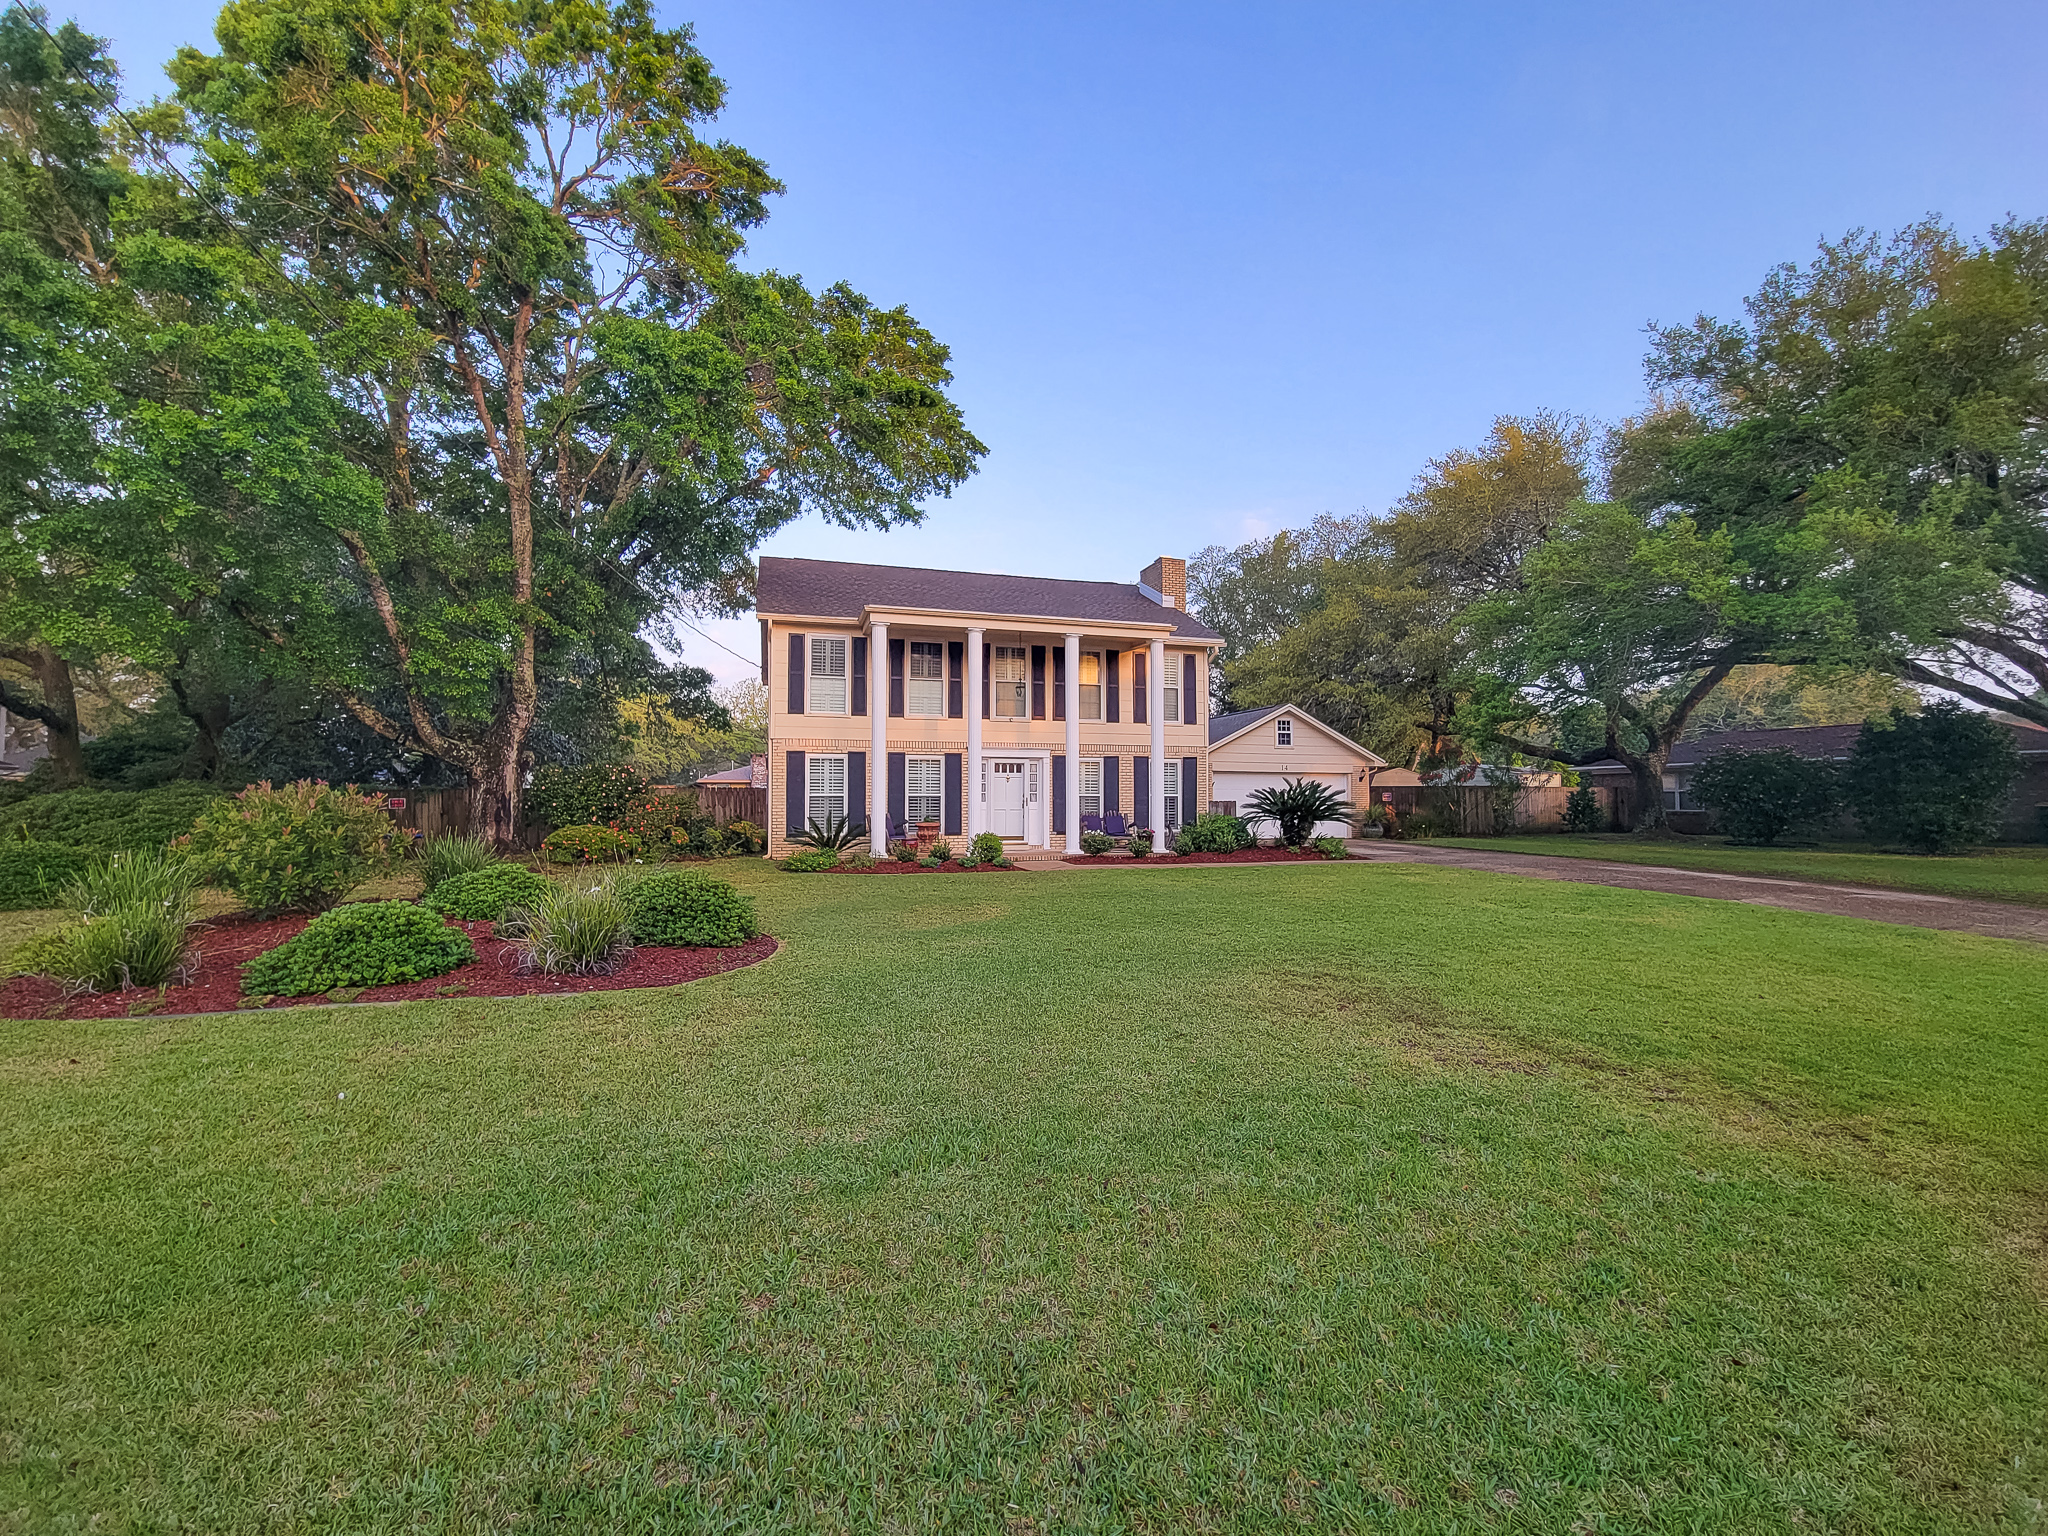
220, 948
1242, 856
892, 867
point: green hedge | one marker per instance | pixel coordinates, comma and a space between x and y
370, 944
32, 874
110, 820
483, 895
681, 908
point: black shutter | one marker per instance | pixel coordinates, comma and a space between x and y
860, 675
899, 815
799, 661
986, 684
1188, 810
1059, 682
896, 678
1059, 792
1112, 792
1187, 690
1140, 694
1141, 793
1038, 682
956, 685
950, 823
795, 788
1109, 686
856, 789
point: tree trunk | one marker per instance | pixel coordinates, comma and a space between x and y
60, 720
1648, 769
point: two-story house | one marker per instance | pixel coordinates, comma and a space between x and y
1009, 704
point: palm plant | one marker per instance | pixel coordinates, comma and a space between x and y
836, 833
1296, 807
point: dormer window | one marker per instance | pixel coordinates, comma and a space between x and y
1283, 732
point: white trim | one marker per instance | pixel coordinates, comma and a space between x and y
1301, 714
976, 789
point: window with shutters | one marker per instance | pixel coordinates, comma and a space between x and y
924, 789
1009, 683
826, 799
1172, 691
1283, 733
1172, 798
1091, 786
828, 675
925, 688
1091, 685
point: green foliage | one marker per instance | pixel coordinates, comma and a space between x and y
858, 858
42, 955
1756, 797
578, 927
834, 832
1936, 781
450, 854
152, 880
136, 945
596, 795
1139, 841
585, 845
1213, 832
1295, 808
35, 874
667, 826
903, 853
1094, 844
986, 848
942, 850
1332, 848
929, 861
110, 819
744, 837
811, 861
484, 895
1582, 811
367, 944
687, 909
301, 848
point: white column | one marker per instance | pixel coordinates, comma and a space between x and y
970, 791
1073, 705
1155, 711
878, 737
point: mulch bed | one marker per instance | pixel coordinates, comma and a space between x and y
892, 867
219, 949
1242, 856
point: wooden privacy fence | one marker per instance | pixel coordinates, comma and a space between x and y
1478, 812
727, 803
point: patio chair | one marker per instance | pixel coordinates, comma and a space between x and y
1091, 823
1115, 825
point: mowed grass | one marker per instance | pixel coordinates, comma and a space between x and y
1370, 1197
2017, 874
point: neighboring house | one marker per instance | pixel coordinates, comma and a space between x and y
2022, 819
736, 776
1255, 749
1019, 705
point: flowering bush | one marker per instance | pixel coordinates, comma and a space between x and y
744, 837
296, 849
596, 795
663, 826
585, 845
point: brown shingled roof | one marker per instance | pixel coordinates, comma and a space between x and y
840, 589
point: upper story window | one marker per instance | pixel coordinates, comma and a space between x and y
925, 689
1091, 685
1283, 732
1171, 690
828, 675
1009, 683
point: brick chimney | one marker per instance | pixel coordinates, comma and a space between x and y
1165, 581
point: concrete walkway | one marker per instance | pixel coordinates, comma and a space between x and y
1997, 919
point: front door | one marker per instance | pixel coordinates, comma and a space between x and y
1006, 798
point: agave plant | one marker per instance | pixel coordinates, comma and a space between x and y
1296, 807
835, 833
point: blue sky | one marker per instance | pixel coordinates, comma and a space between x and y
1209, 271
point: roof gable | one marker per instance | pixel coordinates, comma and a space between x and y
1228, 728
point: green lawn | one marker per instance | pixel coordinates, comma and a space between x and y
1354, 1197
2017, 874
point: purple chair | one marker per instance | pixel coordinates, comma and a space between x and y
1115, 825
1091, 823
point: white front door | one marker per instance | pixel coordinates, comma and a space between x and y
1006, 797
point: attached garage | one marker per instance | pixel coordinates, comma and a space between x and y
1258, 749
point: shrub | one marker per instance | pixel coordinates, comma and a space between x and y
575, 928
1936, 781
1213, 834
296, 849
745, 837
110, 819
584, 845
34, 874
903, 853
1377, 814
133, 880
685, 909
930, 861
1581, 811
834, 832
1757, 796
860, 858
1332, 848
1095, 844
970, 862
451, 854
1140, 842
942, 850
484, 895
41, 955
369, 944
811, 861
139, 945
594, 795
663, 826
1295, 808
986, 848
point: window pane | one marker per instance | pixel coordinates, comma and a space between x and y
1173, 705
828, 675
1007, 682
827, 787
924, 788
1283, 733
1091, 786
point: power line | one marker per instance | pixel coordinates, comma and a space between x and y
752, 661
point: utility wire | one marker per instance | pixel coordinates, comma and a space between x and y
752, 661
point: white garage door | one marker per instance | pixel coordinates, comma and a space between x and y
1240, 786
